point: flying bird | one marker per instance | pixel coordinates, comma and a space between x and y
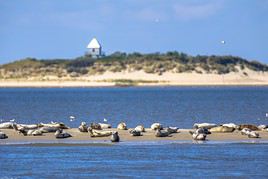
223, 42
104, 120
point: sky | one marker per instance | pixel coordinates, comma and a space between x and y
50, 29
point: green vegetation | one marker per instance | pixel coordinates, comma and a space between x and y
156, 63
129, 82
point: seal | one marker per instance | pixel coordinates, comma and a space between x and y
20, 130
222, 129
172, 130
98, 133
34, 132
83, 127
162, 133
203, 131
198, 134
156, 126
105, 126
204, 125
249, 126
60, 134
249, 133
140, 128
263, 127
95, 126
230, 125
48, 129
59, 125
122, 126
28, 126
7, 125
115, 137
135, 132
3, 135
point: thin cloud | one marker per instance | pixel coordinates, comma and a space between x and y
195, 11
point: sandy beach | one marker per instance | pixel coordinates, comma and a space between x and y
183, 135
140, 78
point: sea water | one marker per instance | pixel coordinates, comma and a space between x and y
177, 106
170, 160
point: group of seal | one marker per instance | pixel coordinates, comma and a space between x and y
33, 129
246, 129
97, 129
160, 131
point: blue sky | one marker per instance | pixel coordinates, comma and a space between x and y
62, 29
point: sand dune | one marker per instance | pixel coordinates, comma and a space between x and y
144, 79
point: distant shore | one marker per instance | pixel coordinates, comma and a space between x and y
56, 84
183, 135
140, 78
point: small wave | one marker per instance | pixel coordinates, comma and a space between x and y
127, 143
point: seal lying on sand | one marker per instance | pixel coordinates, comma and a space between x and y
48, 129
263, 127
162, 133
203, 131
249, 126
60, 134
34, 132
3, 135
222, 129
140, 128
198, 134
95, 126
28, 126
230, 125
98, 133
172, 130
59, 125
135, 133
156, 126
204, 125
115, 137
83, 127
27, 132
122, 126
20, 130
249, 133
105, 126
7, 125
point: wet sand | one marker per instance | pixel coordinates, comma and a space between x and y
78, 137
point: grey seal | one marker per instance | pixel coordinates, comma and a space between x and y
115, 137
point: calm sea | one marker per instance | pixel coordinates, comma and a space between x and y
177, 106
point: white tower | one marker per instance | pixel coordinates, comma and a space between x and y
94, 48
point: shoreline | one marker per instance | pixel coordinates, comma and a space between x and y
83, 84
79, 138
140, 78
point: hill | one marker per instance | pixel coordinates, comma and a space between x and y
157, 64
